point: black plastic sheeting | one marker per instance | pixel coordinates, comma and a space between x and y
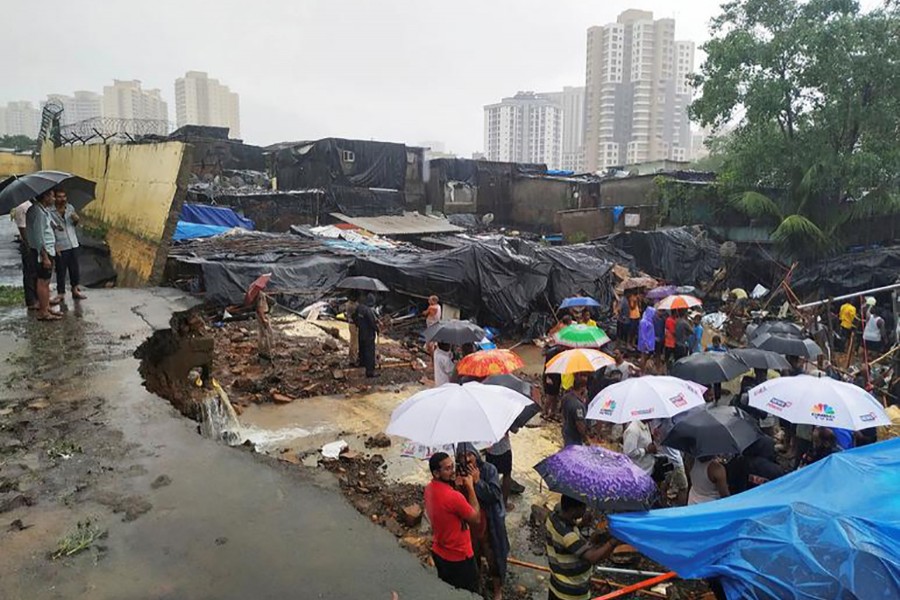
682, 256
322, 164
490, 281
848, 273
498, 282
363, 202
295, 283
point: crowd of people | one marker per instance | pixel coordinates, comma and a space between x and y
48, 243
464, 504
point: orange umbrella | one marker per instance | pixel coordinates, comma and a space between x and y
489, 362
678, 301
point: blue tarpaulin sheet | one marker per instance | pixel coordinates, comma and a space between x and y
829, 530
191, 231
204, 214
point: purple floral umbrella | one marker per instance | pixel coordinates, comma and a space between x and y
661, 292
603, 479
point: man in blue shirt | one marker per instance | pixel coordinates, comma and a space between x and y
42, 243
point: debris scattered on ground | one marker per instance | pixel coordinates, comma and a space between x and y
378, 441
81, 538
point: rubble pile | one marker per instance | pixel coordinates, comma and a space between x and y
398, 507
302, 367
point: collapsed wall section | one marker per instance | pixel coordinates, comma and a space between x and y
139, 194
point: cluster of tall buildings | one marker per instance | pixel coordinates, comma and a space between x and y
199, 100
632, 109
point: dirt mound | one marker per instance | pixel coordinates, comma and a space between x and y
398, 507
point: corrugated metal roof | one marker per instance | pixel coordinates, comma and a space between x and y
408, 224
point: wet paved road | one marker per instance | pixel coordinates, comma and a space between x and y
228, 526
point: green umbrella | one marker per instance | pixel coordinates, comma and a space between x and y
581, 336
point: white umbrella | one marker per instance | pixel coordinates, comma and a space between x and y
808, 400
647, 397
454, 413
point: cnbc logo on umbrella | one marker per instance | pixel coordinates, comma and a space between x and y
608, 406
823, 412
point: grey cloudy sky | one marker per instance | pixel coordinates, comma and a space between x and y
398, 70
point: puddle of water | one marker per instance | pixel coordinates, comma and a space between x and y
304, 426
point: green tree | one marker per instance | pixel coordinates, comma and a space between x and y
17, 142
813, 90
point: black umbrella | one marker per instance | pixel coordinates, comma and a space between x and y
761, 359
787, 345
711, 431
17, 189
783, 328
454, 332
708, 367
368, 284
517, 385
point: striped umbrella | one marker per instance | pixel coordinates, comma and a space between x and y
581, 336
489, 362
677, 302
578, 360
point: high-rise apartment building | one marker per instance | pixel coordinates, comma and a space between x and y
571, 101
20, 118
80, 106
637, 92
526, 128
200, 100
126, 100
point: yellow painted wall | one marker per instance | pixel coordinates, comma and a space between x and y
137, 189
16, 164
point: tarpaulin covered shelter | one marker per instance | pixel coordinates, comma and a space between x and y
683, 255
499, 281
847, 273
340, 162
807, 535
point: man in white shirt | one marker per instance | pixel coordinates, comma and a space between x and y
29, 274
624, 367
637, 444
443, 364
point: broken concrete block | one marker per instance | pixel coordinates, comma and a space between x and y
412, 515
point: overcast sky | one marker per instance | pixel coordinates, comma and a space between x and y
396, 70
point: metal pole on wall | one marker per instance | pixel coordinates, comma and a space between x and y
885, 288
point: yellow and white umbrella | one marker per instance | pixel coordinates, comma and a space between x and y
578, 360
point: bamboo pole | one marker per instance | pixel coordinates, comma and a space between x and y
640, 586
594, 580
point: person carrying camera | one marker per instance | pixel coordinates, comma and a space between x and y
451, 514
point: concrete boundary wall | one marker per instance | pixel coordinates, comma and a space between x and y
16, 164
140, 191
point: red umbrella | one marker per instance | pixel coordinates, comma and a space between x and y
253, 291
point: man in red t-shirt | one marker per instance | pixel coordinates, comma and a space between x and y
450, 514
669, 340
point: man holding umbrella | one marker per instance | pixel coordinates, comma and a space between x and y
42, 244
29, 277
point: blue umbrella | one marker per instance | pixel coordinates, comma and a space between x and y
578, 301
603, 479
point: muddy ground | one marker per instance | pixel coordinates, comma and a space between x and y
282, 417
106, 492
